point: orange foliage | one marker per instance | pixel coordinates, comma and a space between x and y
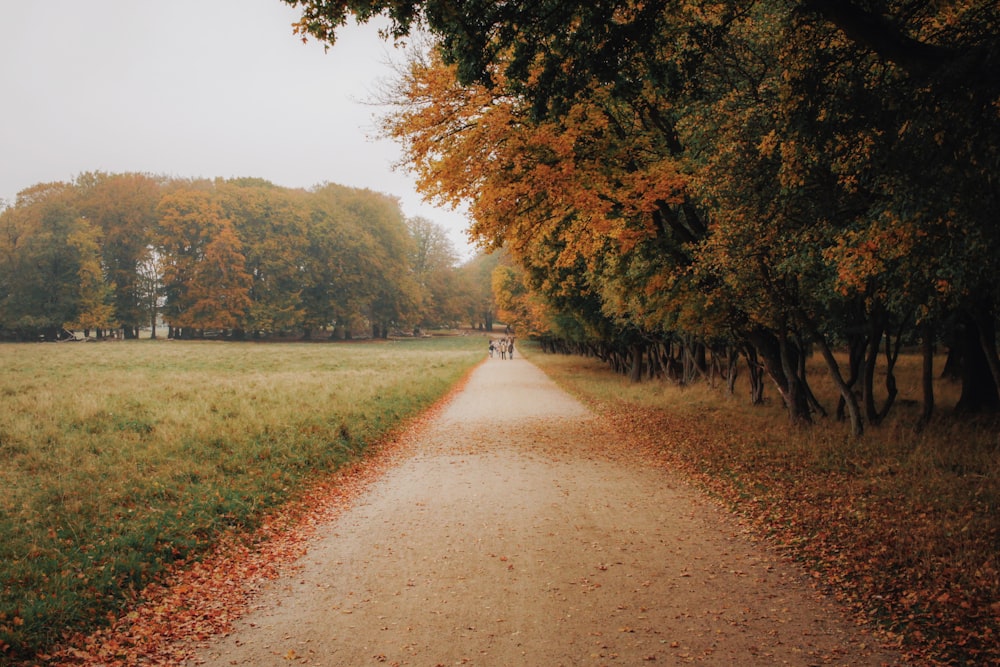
590, 178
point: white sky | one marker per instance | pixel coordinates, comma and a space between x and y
193, 88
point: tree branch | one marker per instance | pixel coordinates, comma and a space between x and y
880, 35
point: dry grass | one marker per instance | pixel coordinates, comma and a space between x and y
117, 459
903, 525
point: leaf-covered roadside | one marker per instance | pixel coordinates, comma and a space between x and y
920, 564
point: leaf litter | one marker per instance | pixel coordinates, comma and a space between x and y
200, 601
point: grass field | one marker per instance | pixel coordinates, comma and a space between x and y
117, 459
902, 525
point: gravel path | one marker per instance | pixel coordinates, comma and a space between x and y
520, 532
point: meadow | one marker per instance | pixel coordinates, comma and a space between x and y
119, 459
902, 525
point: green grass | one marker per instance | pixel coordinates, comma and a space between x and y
117, 459
903, 524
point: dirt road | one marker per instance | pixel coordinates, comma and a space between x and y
520, 532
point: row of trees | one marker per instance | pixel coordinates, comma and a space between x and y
674, 178
239, 257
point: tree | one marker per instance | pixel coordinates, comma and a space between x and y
479, 300
204, 275
149, 288
519, 306
95, 308
50, 273
235, 255
271, 223
337, 289
219, 289
433, 260
123, 208
387, 277
803, 131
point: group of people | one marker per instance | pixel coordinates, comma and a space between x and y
505, 346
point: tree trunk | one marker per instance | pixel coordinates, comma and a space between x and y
988, 343
635, 370
846, 392
927, 377
891, 357
856, 345
687, 377
776, 357
853, 409
797, 393
700, 358
732, 369
814, 403
953, 362
755, 372
979, 389
654, 360
871, 361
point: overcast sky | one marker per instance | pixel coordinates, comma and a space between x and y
193, 88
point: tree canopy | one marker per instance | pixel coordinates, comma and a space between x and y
237, 258
688, 177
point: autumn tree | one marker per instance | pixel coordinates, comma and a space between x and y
342, 278
95, 306
433, 261
479, 300
123, 208
204, 275
219, 289
517, 305
803, 131
558, 195
387, 277
50, 269
913, 129
271, 223
238, 255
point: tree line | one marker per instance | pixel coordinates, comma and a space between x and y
241, 258
684, 185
